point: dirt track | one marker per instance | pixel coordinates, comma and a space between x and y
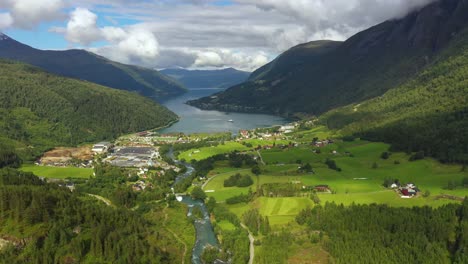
62, 155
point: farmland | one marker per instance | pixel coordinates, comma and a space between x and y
360, 180
58, 172
206, 152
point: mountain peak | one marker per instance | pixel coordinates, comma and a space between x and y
3, 36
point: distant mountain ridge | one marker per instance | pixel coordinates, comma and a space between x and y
193, 79
84, 65
318, 76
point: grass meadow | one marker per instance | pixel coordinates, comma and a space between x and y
360, 181
58, 172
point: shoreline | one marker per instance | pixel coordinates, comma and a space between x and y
165, 126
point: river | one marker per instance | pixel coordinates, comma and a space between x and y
194, 120
205, 235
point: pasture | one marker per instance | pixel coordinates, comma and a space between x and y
58, 172
360, 181
206, 152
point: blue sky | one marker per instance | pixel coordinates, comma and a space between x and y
243, 34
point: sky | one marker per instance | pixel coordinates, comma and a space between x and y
201, 34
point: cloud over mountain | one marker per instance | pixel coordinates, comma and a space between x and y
202, 33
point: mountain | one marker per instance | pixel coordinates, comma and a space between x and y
428, 114
193, 79
319, 76
39, 110
84, 65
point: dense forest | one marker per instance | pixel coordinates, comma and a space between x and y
40, 110
45, 223
428, 114
382, 234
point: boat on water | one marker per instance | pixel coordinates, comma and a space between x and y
230, 120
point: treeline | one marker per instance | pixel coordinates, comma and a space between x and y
234, 243
238, 180
280, 190
8, 156
382, 234
241, 198
427, 116
235, 159
256, 223
54, 225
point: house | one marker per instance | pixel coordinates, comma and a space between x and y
143, 134
244, 133
321, 188
287, 128
394, 186
101, 147
405, 192
137, 188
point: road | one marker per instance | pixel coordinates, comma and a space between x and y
261, 159
104, 200
252, 248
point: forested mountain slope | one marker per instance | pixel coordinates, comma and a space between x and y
84, 65
332, 74
428, 113
39, 110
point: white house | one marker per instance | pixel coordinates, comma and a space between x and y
101, 147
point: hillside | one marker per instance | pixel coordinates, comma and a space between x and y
84, 65
193, 79
331, 75
427, 114
40, 110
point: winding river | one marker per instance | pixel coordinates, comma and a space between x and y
205, 235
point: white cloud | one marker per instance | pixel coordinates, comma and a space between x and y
28, 14
5, 20
82, 28
338, 16
196, 33
133, 44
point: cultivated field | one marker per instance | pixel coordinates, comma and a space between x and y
206, 152
58, 172
360, 180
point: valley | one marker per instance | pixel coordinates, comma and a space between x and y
285, 132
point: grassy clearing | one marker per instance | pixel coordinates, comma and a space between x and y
226, 225
221, 193
58, 172
206, 152
282, 210
320, 132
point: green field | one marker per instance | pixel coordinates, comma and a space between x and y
206, 152
226, 225
221, 193
260, 142
319, 132
358, 182
58, 172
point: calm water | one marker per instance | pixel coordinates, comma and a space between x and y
194, 120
